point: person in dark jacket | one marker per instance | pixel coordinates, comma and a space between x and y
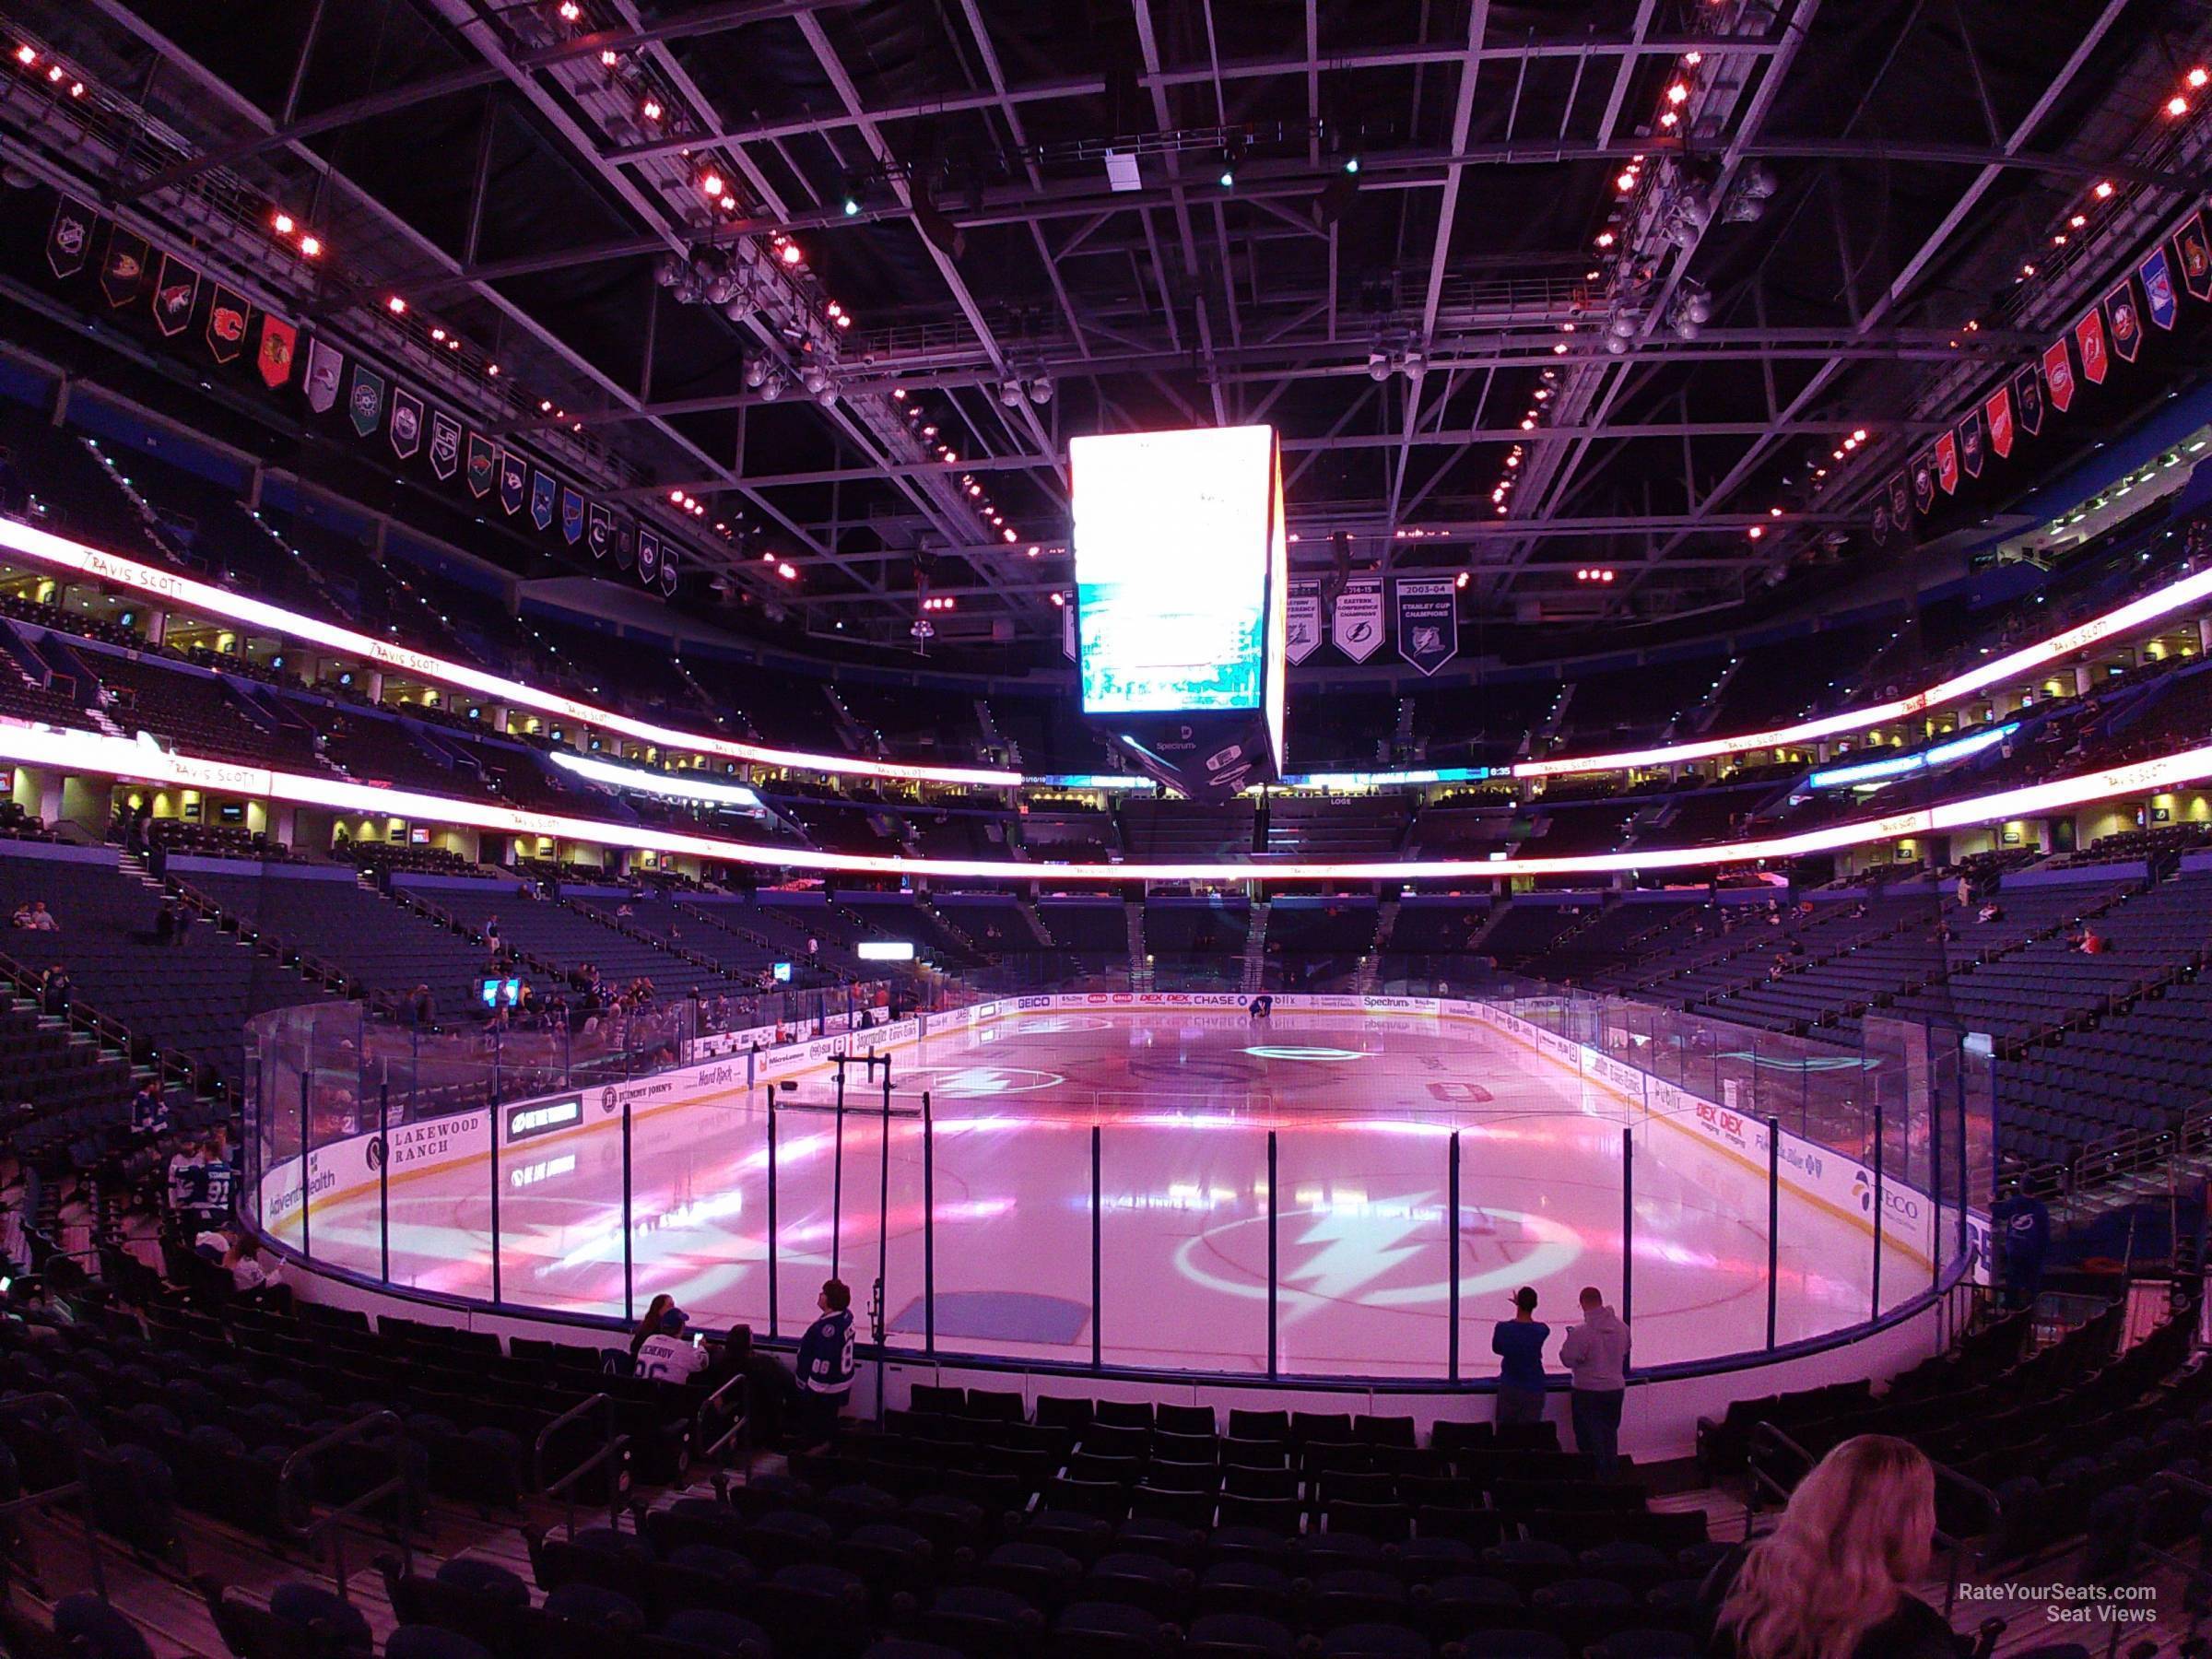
1831, 1581
824, 1369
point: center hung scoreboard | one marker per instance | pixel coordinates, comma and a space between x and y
1182, 563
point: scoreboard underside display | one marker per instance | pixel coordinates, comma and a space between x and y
1181, 561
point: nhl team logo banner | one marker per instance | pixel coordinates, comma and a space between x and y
2123, 321
599, 534
365, 402
1970, 444
69, 237
279, 347
2193, 250
542, 492
1356, 623
176, 291
445, 445
626, 550
649, 557
1899, 510
2028, 399
571, 516
1427, 621
406, 424
325, 367
1067, 630
2088, 335
1997, 412
123, 272
1301, 620
483, 466
1881, 521
668, 577
227, 327
514, 483
1923, 482
2058, 374
1946, 464
2157, 276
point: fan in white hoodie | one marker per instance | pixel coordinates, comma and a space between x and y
1597, 1355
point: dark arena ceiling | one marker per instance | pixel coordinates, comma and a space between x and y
1527, 287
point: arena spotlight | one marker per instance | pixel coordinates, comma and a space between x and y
310, 247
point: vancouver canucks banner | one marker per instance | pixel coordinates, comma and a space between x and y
365, 402
2027, 400
1998, 411
649, 557
406, 424
1901, 512
123, 272
483, 466
542, 491
2058, 374
1970, 444
2123, 321
69, 237
445, 445
1946, 464
2088, 335
2193, 251
1428, 620
599, 534
1356, 624
176, 291
1924, 481
279, 347
1301, 620
668, 577
324, 368
2158, 289
571, 516
514, 483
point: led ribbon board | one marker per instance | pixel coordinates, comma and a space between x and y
67, 749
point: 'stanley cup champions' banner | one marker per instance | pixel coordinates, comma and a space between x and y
1428, 620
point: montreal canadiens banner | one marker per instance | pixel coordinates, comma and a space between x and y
1356, 626
1428, 620
1301, 620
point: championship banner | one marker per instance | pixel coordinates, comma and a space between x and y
176, 291
2058, 374
1356, 625
571, 516
669, 576
1924, 481
1970, 444
1301, 620
2158, 289
445, 445
324, 366
1428, 620
648, 556
2027, 400
2123, 321
279, 345
600, 532
69, 237
2193, 249
365, 402
542, 492
1998, 411
2089, 333
514, 483
1900, 496
1946, 464
124, 270
406, 424
483, 464
227, 327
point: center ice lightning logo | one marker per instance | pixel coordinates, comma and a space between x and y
1355, 1248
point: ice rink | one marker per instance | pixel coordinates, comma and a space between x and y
1364, 1109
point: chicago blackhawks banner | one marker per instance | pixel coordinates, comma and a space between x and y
1301, 620
279, 345
1356, 626
1428, 620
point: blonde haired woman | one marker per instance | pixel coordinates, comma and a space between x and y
1834, 1579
